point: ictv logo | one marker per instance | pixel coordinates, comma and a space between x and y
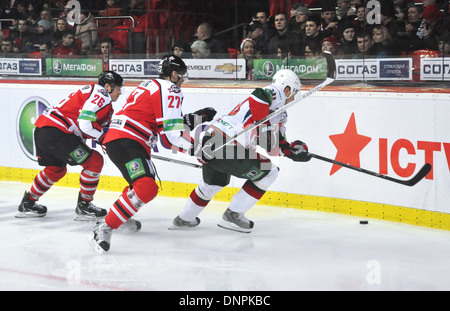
350, 143
29, 112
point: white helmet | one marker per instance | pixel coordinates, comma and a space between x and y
284, 78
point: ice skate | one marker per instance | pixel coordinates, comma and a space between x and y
236, 221
86, 210
100, 238
29, 208
179, 224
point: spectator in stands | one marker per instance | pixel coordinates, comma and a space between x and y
33, 19
343, 6
22, 37
67, 47
347, 39
264, 18
388, 19
45, 50
329, 19
293, 13
46, 15
182, 49
298, 25
43, 35
61, 26
383, 44
200, 49
433, 28
248, 52
22, 12
412, 37
255, 31
87, 32
364, 42
312, 50
7, 48
216, 46
284, 37
312, 31
361, 19
107, 50
331, 45
111, 10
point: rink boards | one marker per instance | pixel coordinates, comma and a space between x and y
389, 131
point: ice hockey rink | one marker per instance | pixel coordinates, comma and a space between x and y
289, 250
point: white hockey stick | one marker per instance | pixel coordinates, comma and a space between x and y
153, 156
331, 75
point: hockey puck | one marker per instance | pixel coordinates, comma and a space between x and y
363, 222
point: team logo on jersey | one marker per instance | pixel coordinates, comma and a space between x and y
174, 89
79, 155
135, 168
30, 110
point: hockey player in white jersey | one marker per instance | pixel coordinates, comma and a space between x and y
240, 158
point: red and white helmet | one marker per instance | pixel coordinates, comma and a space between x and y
284, 78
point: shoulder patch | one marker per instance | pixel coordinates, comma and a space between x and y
264, 94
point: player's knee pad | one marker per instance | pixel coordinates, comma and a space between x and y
265, 182
145, 189
94, 163
207, 192
55, 173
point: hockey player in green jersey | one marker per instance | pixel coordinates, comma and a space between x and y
240, 159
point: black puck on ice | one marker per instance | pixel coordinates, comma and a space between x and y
363, 222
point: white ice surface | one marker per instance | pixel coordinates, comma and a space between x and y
289, 250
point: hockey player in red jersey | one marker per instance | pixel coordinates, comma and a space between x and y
153, 109
60, 135
241, 159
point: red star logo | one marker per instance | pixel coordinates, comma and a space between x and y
348, 144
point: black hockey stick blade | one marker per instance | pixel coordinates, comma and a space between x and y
410, 182
331, 65
419, 176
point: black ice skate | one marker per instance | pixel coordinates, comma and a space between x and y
29, 208
236, 221
86, 210
179, 223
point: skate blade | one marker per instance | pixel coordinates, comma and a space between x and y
183, 228
29, 215
233, 227
87, 218
95, 245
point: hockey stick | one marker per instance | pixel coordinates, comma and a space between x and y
176, 161
331, 75
410, 182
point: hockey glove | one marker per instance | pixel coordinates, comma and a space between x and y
199, 116
296, 151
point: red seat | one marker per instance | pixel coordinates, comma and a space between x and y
416, 57
233, 52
